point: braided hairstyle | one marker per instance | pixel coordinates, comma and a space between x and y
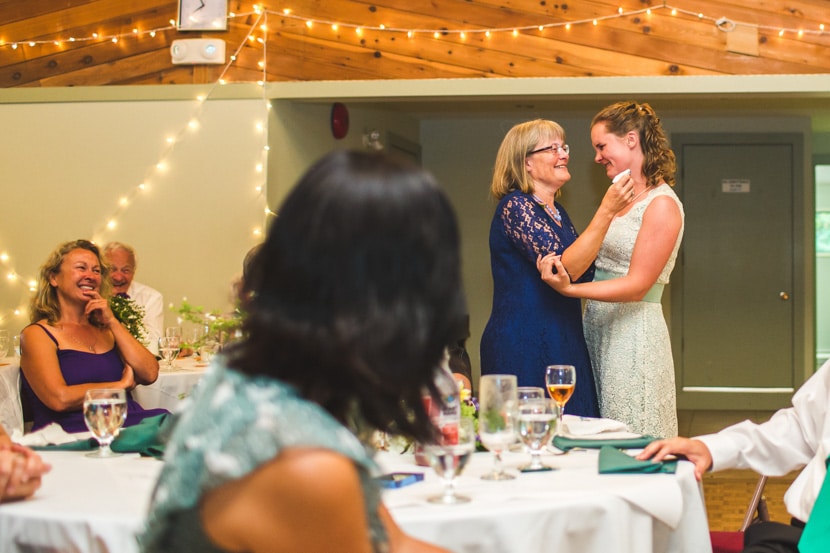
659, 163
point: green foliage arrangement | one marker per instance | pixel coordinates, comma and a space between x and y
130, 314
219, 327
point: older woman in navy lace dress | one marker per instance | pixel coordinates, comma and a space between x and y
531, 325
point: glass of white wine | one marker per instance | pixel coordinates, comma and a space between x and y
498, 403
560, 380
448, 457
536, 423
105, 410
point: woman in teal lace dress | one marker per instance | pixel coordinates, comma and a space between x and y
352, 299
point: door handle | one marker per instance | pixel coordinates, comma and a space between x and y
784, 296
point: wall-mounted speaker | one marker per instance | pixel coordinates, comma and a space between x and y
197, 51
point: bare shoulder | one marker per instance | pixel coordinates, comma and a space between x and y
304, 499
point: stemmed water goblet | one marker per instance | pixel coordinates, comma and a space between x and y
105, 410
4, 345
527, 393
560, 380
448, 457
536, 422
174, 337
169, 349
498, 401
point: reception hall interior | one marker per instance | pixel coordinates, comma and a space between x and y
179, 131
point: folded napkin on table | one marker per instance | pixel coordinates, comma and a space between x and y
576, 426
614, 461
48, 435
596, 442
143, 438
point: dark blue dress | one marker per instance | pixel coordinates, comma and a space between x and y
531, 325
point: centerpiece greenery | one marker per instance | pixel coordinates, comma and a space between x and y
217, 326
129, 314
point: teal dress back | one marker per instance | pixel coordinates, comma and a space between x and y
233, 424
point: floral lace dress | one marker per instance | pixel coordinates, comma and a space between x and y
531, 325
629, 342
234, 424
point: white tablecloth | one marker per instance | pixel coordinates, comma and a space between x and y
95, 506
166, 392
570, 510
172, 385
84, 506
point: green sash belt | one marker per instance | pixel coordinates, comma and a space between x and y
652, 296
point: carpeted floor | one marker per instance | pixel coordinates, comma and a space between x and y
728, 493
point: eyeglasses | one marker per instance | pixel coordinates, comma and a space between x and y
564, 149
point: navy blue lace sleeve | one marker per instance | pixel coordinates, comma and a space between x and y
532, 232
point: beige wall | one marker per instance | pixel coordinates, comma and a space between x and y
64, 166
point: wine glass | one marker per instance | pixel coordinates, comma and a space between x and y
105, 410
169, 349
527, 393
560, 380
4, 346
174, 337
497, 412
448, 457
536, 422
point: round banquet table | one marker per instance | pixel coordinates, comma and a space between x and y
96, 506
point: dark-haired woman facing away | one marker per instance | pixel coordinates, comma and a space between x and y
353, 297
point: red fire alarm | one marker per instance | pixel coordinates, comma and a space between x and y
339, 120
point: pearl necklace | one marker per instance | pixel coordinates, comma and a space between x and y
553, 212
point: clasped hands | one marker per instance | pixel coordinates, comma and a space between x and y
21, 470
559, 280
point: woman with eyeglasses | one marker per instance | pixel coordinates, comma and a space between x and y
624, 324
531, 325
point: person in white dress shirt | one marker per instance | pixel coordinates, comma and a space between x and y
795, 437
122, 263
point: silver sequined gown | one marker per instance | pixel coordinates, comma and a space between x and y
629, 342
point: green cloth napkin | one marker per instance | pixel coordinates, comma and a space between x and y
565, 444
143, 438
614, 461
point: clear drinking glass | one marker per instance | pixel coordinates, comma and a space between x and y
169, 349
105, 410
174, 340
527, 393
560, 380
524, 393
536, 423
4, 344
498, 403
448, 458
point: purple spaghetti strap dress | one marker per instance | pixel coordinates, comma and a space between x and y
81, 367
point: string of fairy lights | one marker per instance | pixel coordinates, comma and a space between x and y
258, 33
153, 172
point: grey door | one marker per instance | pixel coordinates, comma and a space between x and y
733, 308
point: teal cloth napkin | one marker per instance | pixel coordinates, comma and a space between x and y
144, 438
565, 444
614, 461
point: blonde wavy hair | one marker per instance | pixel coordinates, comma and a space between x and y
509, 172
45, 303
